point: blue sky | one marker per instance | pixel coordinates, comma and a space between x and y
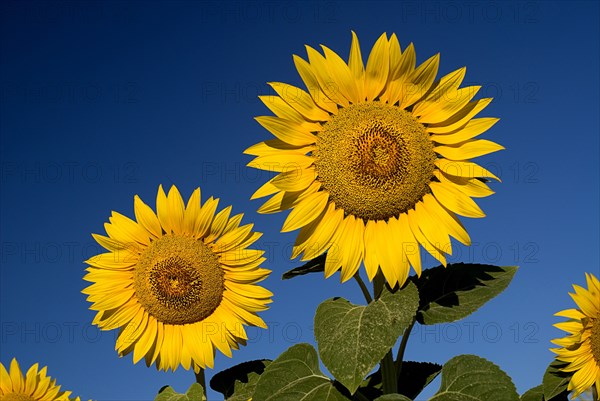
104, 100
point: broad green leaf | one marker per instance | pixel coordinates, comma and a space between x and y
238, 382
295, 376
393, 397
555, 381
353, 339
454, 292
315, 265
534, 394
471, 378
194, 393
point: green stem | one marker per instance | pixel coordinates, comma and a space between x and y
595, 394
358, 396
403, 347
201, 379
388, 369
363, 288
388, 374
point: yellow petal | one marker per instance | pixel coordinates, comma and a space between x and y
205, 218
311, 82
385, 252
428, 225
146, 217
5, 380
280, 162
397, 246
463, 169
124, 229
192, 212
300, 101
286, 130
162, 210
342, 75
371, 259
176, 209
16, 376
265, 190
328, 85
146, 340
455, 200
473, 128
353, 248
275, 145
460, 119
449, 104
306, 211
468, 150
316, 238
355, 63
446, 218
378, 68
420, 81
472, 187
295, 180
410, 243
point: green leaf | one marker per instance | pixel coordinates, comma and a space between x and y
534, 394
194, 393
393, 397
471, 378
295, 376
353, 339
239, 381
316, 265
454, 292
555, 381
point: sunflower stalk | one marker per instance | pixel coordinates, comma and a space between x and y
402, 347
201, 380
363, 288
388, 369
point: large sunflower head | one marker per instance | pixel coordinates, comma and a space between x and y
374, 161
35, 385
580, 350
180, 283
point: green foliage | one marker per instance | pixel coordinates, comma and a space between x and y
353, 339
194, 393
555, 381
454, 292
238, 382
295, 376
534, 394
315, 265
414, 377
393, 397
471, 378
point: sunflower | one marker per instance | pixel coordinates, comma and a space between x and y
580, 350
33, 386
374, 161
180, 283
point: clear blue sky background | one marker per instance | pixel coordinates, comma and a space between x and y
104, 100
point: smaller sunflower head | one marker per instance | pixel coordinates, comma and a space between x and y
35, 385
180, 283
580, 350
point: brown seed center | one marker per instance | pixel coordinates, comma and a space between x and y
17, 397
178, 280
595, 340
375, 160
